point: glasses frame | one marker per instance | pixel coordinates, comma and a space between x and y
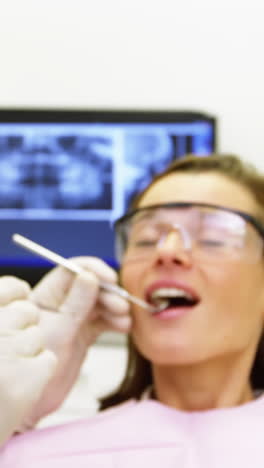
254, 221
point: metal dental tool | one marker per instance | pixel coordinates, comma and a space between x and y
74, 268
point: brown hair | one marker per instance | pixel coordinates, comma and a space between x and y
138, 374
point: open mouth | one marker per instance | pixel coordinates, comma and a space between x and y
167, 298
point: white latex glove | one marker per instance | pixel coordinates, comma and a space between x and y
25, 367
74, 311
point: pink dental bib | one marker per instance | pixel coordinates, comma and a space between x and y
146, 434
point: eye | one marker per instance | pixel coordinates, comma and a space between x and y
211, 243
146, 236
145, 243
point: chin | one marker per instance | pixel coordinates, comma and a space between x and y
168, 353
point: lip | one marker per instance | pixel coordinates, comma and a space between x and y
172, 313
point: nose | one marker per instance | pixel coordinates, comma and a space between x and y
174, 248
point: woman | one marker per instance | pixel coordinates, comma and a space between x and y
193, 248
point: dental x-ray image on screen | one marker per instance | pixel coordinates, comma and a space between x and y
44, 168
66, 175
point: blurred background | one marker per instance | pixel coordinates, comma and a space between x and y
140, 54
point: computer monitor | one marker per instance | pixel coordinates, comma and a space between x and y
65, 175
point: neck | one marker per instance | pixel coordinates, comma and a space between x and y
204, 386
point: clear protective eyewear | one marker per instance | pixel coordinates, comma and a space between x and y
209, 232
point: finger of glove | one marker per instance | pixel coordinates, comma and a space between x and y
81, 299
114, 304
51, 290
18, 315
98, 267
27, 343
12, 289
121, 323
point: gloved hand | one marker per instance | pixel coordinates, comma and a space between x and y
25, 367
74, 311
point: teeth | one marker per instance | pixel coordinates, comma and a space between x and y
165, 293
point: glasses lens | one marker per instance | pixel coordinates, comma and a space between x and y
215, 234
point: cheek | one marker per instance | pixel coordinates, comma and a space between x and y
224, 276
130, 277
236, 296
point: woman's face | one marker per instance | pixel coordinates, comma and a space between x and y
228, 317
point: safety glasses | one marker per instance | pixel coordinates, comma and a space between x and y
209, 232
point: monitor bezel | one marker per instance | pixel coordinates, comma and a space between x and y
74, 115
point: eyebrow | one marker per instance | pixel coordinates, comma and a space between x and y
146, 213
230, 220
